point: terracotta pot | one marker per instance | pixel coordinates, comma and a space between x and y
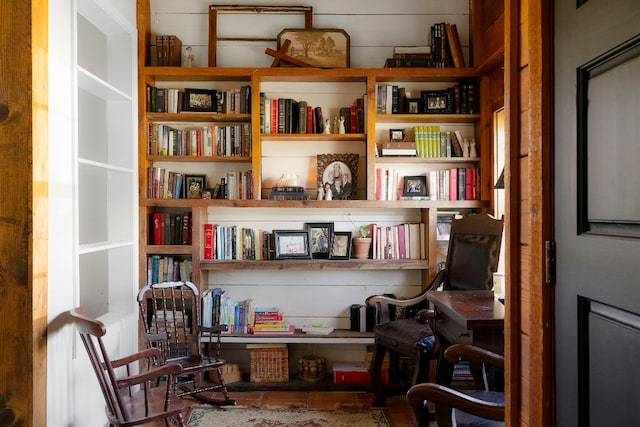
361, 247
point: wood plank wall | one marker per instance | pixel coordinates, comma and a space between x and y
23, 212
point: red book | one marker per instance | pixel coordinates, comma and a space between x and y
208, 241
157, 219
311, 123
274, 116
470, 184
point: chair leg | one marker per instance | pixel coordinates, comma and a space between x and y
379, 389
422, 371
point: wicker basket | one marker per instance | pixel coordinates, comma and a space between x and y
312, 368
269, 365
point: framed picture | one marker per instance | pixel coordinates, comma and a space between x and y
194, 186
203, 100
437, 101
415, 186
320, 234
413, 105
322, 48
396, 135
341, 245
291, 244
337, 175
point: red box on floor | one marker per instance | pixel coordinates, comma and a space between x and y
354, 373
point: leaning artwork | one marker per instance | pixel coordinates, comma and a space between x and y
322, 48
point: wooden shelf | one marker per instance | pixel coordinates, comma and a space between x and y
197, 117
428, 118
316, 264
199, 159
338, 336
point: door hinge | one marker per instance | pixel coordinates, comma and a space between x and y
550, 261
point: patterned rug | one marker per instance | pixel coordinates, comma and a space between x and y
240, 417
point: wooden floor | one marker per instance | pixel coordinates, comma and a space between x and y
397, 409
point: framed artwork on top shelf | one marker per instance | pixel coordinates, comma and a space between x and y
291, 244
318, 47
320, 235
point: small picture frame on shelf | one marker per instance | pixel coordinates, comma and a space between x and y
396, 135
320, 234
200, 100
341, 245
437, 101
291, 244
413, 105
415, 186
194, 186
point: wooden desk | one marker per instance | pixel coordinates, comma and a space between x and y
467, 317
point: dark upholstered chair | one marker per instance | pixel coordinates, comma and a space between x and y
170, 314
405, 325
470, 408
131, 397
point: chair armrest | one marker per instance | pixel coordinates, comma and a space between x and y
149, 353
170, 369
445, 399
474, 354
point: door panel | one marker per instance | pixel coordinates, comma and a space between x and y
597, 294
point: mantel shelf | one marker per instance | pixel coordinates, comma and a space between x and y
316, 264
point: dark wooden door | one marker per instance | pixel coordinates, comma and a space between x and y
597, 212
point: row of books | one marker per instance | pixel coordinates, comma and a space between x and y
287, 115
170, 229
431, 142
232, 242
168, 50
457, 99
168, 268
174, 100
455, 184
399, 241
166, 184
210, 140
446, 49
410, 56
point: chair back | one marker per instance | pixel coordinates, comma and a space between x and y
91, 332
171, 309
474, 251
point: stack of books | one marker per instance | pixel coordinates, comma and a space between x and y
399, 149
271, 321
410, 56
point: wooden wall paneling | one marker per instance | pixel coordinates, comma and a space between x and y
515, 385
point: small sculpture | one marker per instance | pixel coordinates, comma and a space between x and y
320, 193
473, 151
188, 58
327, 126
342, 129
328, 195
465, 148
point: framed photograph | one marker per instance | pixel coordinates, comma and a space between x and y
413, 105
319, 47
202, 100
194, 186
337, 175
320, 234
437, 101
341, 245
291, 244
396, 135
415, 186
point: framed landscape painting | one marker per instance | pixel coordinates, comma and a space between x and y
322, 48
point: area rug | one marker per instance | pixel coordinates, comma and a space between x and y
286, 418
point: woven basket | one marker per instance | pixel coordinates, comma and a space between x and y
269, 365
312, 368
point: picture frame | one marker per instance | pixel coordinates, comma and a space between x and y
320, 239
291, 244
438, 101
415, 186
413, 105
332, 165
194, 186
200, 100
319, 47
396, 135
341, 245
